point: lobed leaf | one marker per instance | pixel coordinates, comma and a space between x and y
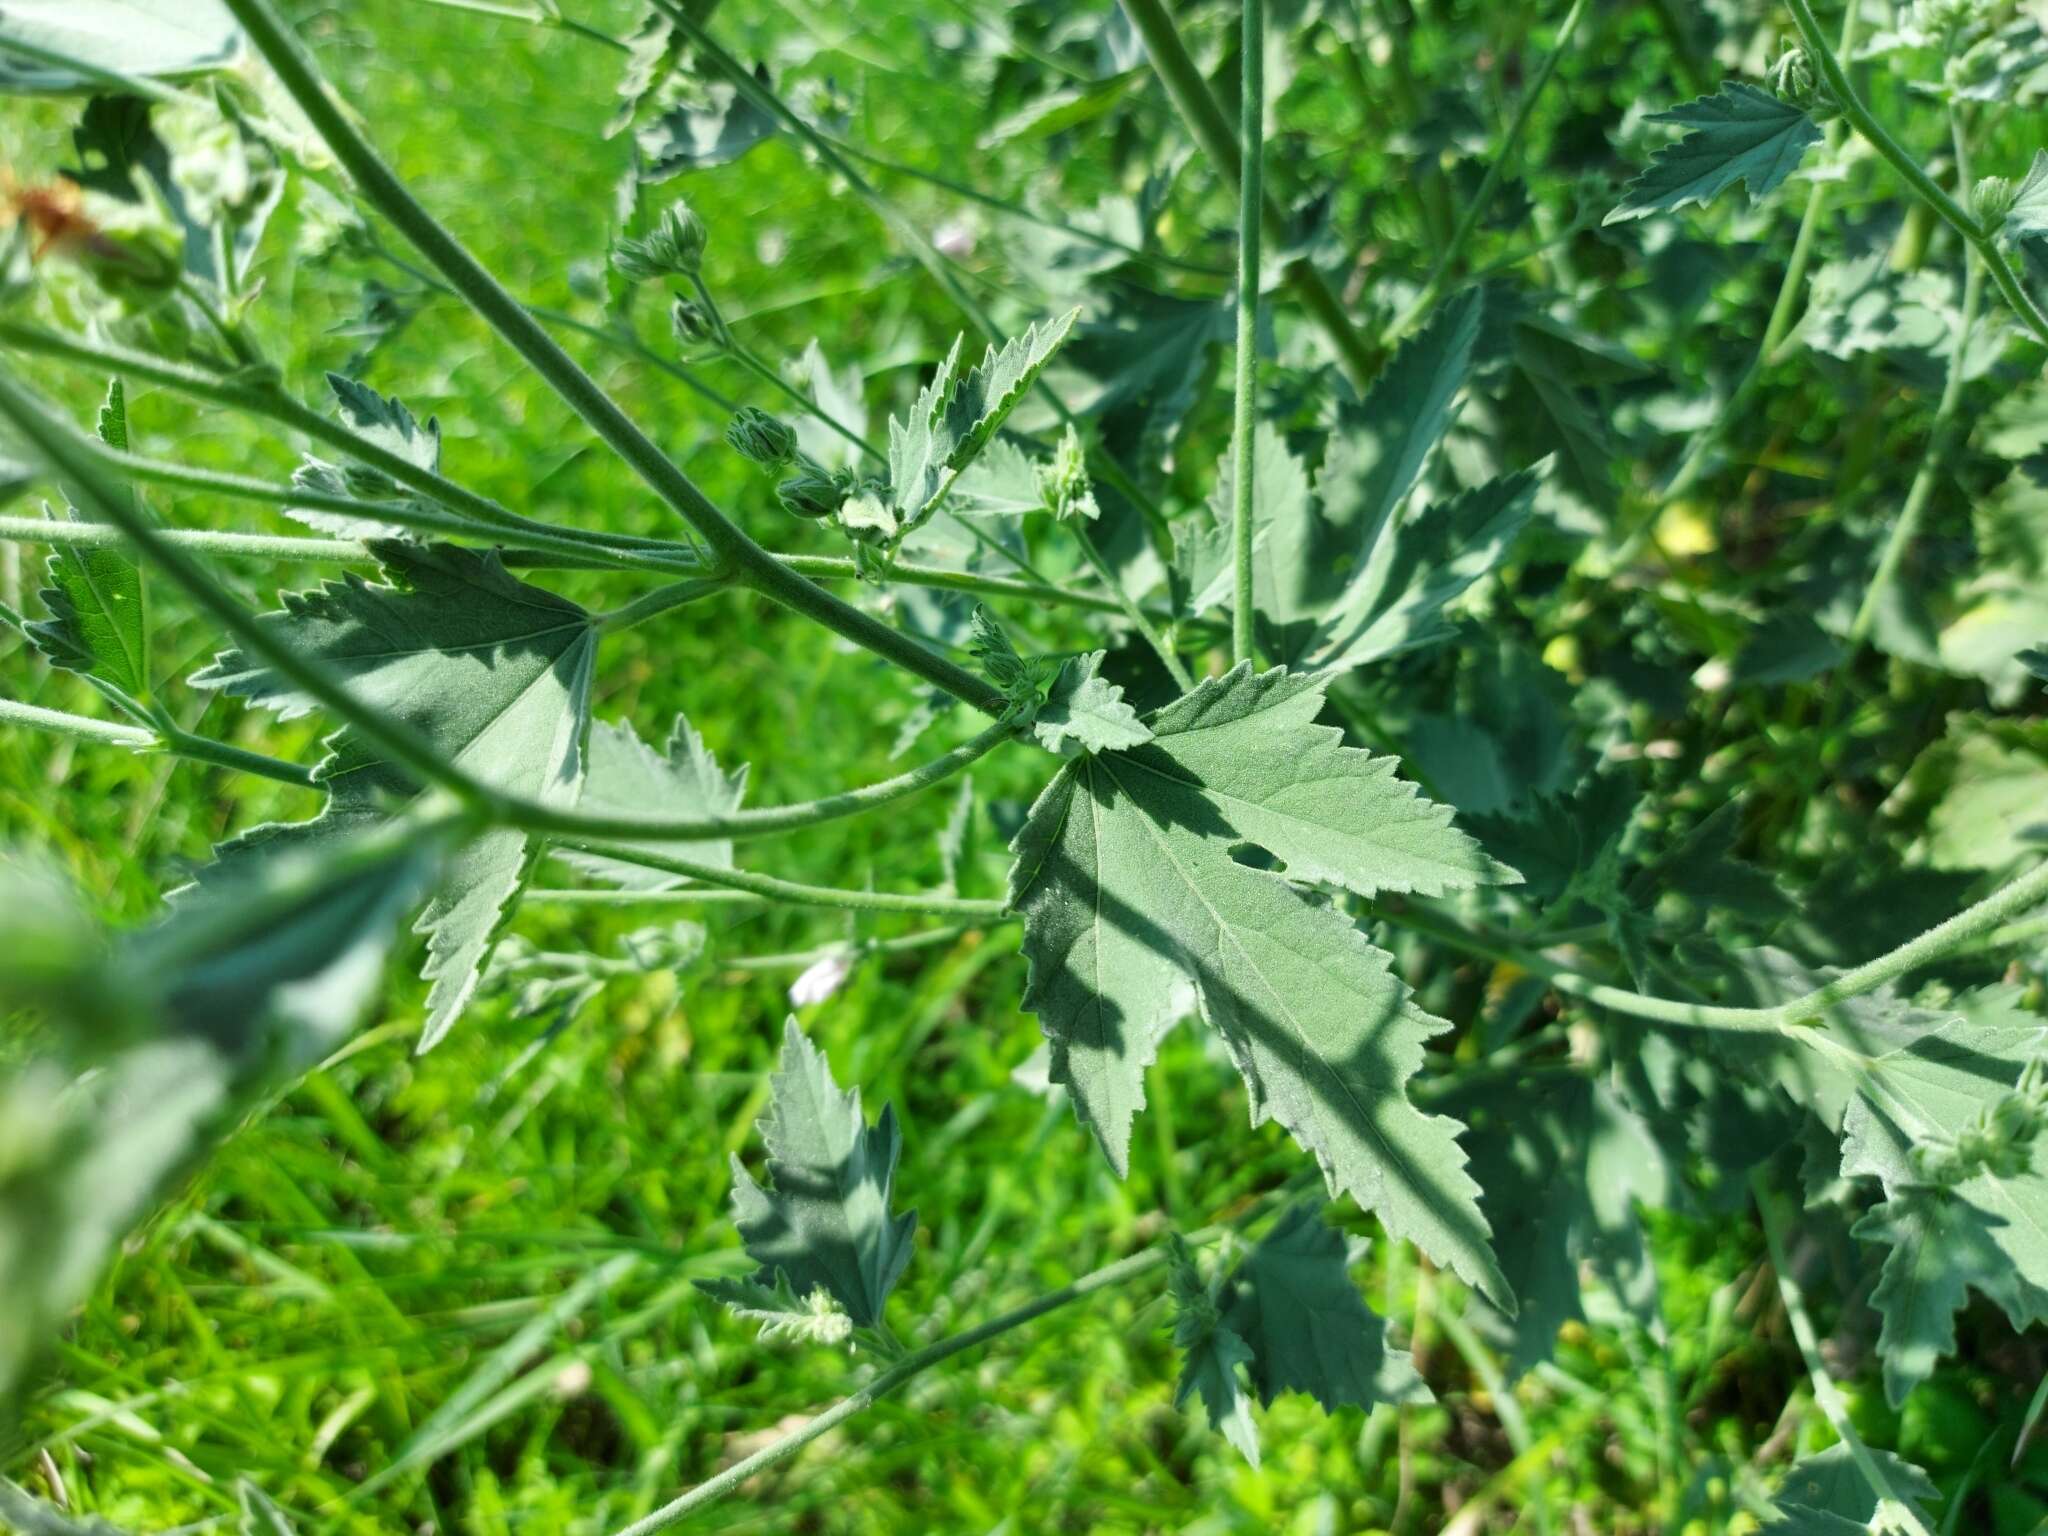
494, 673
1739, 134
1133, 904
823, 1221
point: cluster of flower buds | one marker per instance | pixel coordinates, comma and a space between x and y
761, 438
1063, 483
675, 248
1793, 78
1991, 200
1998, 1141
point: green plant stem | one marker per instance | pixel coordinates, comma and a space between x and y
1922, 185
707, 895
246, 546
58, 444
1206, 120
789, 891
930, 938
1128, 605
1775, 1211
1694, 464
1445, 266
915, 1364
676, 594
1026, 215
1789, 1018
752, 564
935, 262
404, 745
84, 727
198, 749
262, 399
263, 546
1251, 197
1938, 438
618, 338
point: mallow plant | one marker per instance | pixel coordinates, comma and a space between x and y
1230, 832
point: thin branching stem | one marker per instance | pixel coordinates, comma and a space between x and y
790, 892
1775, 1210
916, 1363
1791, 1017
755, 566
179, 743
1251, 195
1922, 185
266, 400
1210, 125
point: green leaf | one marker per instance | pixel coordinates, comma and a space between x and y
1827, 1494
1210, 1355
1085, 708
385, 421
98, 624
719, 125
2028, 215
981, 401
1347, 577
1565, 1165
112, 424
494, 673
183, 1024
1936, 1251
1134, 904
954, 418
1286, 530
1395, 603
162, 38
1293, 1303
823, 1222
626, 777
1741, 134
1944, 1122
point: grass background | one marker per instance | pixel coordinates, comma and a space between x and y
455, 1292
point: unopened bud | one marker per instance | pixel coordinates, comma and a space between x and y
691, 323
812, 493
1991, 200
761, 438
675, 248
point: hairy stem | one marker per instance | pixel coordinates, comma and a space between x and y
198, 749
1128, 605
1776, 1212
1251, 197
753, 564
1922, 185
1789, 1018
1207, 121
790, 891
919, 1361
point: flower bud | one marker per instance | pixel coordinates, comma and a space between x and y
761, 438
1991, 200
812, 493
1063, 484
675, 248
691, 323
